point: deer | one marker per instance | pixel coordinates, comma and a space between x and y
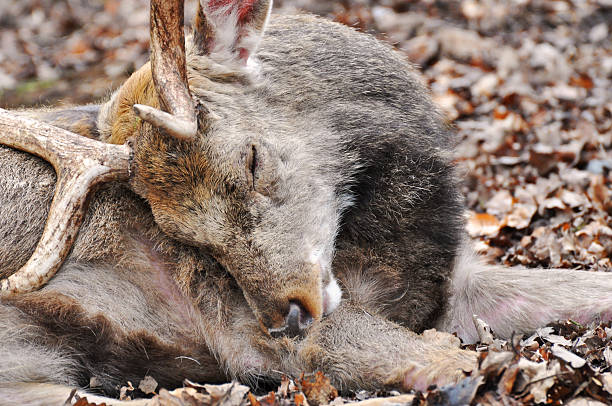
267, 196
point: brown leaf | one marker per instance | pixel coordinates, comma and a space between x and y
180, 397
500, 204
318, 389
83, 402
506, 383
483, 224
253, 400
521, 216
582, 80
228, 394
283, 389
300, 399
267, 400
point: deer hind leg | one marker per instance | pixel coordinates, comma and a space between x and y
519, 300
49, 336
22, 358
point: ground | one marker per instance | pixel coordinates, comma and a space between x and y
527, 85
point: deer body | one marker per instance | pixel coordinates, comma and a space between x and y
314, 167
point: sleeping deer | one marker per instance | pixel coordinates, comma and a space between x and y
273, 195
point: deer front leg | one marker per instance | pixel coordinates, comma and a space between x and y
358, 350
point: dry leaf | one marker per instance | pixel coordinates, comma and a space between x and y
484, 331
318, 389
606, 380
482, 224
83, 402
228, 394
148, 385
283, 389
124, 390
521, 216
574, 360
539, 377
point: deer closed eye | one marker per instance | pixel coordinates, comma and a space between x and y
261, 169
252, 163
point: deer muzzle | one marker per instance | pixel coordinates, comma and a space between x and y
288, 310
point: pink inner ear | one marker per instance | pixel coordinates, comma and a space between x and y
243, 54
245, 8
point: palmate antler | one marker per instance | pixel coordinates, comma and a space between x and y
81, 163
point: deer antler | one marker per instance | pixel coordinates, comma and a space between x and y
80, 163
168, 65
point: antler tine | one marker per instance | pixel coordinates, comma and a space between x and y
80, 163
168, 65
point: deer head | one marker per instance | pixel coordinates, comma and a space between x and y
217, 174
233, 188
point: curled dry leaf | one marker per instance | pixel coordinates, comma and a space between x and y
521, 216
484, 331
228, 394
574, 360
180, 397
318, 389
483, 224
123, 392
539, 377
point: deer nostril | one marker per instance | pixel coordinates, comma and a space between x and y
297, 320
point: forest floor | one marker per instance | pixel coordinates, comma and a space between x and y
526, 83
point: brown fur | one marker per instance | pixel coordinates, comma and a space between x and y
323, 157
138, 89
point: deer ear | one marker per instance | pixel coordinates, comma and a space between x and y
229, 30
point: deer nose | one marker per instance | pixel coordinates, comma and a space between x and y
297, 320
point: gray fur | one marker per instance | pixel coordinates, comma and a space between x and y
179, 273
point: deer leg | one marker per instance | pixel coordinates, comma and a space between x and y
355, 347
359, 350
519, 300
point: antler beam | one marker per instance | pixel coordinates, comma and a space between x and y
169, 68
80, 163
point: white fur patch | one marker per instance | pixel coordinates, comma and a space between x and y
333, 294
